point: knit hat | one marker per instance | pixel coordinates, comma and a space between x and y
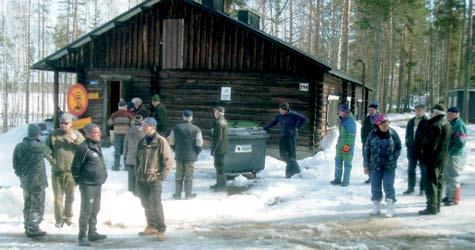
136, 101
374, 105
219, 108
149, 121
439, 107
344, 107
187, 113
33, 130
130, 105
380, 119
285, 106
453, 109
122, 103
155, 98
66, 118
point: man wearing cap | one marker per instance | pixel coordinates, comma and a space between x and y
29, 166
345, 146
89, 171
289, 123
131, 142
435, 146
154, 162
414, 129
458, 138
187, 141
160, 115
63, 142
121, 120
219, 146
368, 125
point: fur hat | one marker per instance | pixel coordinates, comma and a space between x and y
33, 130
66, 118
439, 107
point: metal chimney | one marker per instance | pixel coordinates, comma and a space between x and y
249, 17
217, 5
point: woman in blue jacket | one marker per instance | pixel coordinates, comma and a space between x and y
380, 162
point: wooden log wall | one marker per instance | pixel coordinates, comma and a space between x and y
331, 86
255, 97
173, 34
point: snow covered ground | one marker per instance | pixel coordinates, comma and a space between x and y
269, 212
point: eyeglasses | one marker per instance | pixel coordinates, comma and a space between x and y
64, 123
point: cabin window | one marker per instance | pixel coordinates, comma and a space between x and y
172, 56
332, 110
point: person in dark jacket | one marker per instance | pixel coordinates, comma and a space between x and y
186, 139
345, 146
368, 125
29, 166
89, 171
381, 152
453, 192
154, 162
289, 123
219, 146
414, 130
131, 142
121, 120
160, 115
435, 146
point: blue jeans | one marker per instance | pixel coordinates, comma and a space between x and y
339, 163
385, 178
118, 148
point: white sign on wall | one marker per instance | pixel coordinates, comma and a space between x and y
225, 93
303, 86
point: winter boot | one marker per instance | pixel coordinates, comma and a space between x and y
84, 241
445, 199
368, 181
408, 191
389, 208
220, 183
96, 236
67, 221
214, 186
376, 208
35, 233
160, 236
335, 182
149, 231
427, 211
59, 224
178, 187
188, 192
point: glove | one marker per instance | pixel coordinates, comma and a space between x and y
346, 148
198, 150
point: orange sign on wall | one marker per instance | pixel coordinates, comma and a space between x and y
81, 123
77, 99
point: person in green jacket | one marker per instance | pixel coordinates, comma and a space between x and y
345, 146
160, 115
29, 166
454, 165
219, 146
63, 142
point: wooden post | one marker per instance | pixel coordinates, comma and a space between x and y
56, 99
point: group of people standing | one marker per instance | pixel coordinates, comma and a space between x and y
435, 143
